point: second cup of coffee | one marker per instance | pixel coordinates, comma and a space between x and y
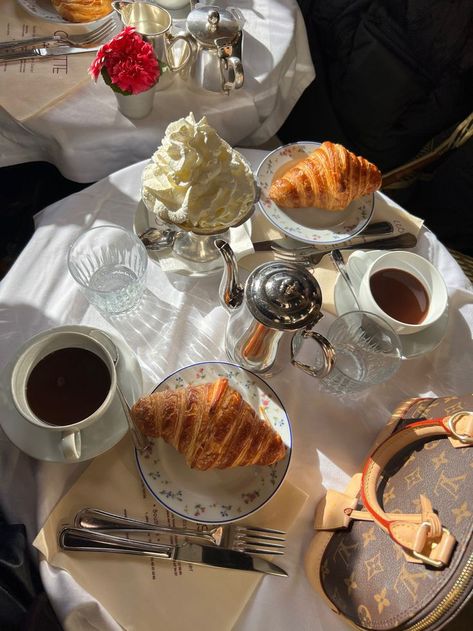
405, 289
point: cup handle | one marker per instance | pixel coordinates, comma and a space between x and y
71, 446
169, 42
328, 352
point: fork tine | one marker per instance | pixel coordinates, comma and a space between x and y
249, 535
271, 531
302, 260
286, 255
100, 33
261, 551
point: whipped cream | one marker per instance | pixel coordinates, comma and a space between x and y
195, 178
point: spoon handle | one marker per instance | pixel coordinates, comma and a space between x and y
140, 441
337, 258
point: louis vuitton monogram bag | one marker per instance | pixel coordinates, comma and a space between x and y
395, 549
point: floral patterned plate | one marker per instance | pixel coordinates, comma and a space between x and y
216, 496
44, 10
310, 225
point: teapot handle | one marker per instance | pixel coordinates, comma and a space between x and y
232, 73
328, 352
169, 42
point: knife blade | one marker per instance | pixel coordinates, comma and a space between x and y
402, 240
79, 539
376, 229
43, 52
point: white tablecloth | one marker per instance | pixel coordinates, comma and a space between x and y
331, 435
86, 137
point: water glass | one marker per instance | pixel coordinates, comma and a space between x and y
360, 350
109, 264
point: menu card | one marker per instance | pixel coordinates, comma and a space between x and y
30, 85
139, 591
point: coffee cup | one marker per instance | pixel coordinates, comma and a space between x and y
405, 289
63, 383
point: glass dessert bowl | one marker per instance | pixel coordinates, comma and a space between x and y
199, 186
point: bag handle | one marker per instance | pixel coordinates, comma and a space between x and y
422, 536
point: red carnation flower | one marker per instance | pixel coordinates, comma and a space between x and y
127, 63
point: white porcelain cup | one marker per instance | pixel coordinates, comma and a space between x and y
422, 270
68, 436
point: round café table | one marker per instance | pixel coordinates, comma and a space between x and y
331, 435
85, 136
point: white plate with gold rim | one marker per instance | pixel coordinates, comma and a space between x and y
216, 496
309, 225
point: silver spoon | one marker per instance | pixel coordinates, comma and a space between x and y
140, 441
155, 240
337, 258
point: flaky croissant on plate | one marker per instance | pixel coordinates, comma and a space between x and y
82, 10
331, 177
211, 425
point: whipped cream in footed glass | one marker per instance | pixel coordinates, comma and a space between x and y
195, 178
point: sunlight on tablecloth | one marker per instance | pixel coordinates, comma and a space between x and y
38, 83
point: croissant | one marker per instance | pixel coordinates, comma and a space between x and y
211, 425
82, 10
330, 177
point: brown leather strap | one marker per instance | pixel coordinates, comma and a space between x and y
421, 535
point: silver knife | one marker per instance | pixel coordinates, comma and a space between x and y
78, 539
41, 53
376, 229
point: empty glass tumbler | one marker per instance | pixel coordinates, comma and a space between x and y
360, 350
109, 264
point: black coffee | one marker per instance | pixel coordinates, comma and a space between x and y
400, 294
67, 386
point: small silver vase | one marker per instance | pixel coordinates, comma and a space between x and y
136, 105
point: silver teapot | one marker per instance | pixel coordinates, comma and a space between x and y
278, 298
216, 39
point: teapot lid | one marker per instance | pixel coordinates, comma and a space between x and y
208, 23
283, 295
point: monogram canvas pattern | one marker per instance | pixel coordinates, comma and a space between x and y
365, 574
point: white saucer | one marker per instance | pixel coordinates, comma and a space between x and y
43, 444
414, 344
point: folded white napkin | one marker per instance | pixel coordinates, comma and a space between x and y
238, 238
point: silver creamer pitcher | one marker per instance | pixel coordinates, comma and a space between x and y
154, 24
277, 300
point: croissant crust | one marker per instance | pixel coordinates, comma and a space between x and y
331, 177
211, 425
82, 10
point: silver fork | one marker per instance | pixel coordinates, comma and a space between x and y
83, 40
249, 539
406, 240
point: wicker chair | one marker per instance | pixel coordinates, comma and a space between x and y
465, 262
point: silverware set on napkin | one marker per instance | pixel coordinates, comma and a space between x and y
226, 546
60, 43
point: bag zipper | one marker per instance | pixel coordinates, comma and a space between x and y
449, 600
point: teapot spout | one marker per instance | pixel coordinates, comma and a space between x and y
231, 291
